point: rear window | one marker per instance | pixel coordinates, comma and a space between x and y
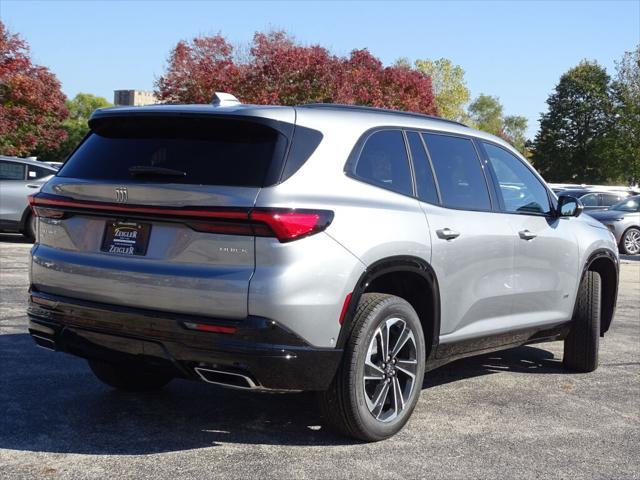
209, 151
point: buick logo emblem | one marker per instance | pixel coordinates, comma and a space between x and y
122, 195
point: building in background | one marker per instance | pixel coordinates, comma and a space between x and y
133, 97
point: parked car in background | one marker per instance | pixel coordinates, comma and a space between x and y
560, 187
55, 164
19, 178
596, 199
623, 219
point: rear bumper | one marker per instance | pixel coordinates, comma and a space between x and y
268, 355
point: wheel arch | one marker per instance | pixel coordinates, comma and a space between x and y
606, 264
408, 277
24, 219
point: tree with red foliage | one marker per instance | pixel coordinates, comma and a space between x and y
197, 69
31, 103
279, 71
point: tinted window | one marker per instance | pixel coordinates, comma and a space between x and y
628, 205
210, 151
11, 171
590, 200
34, 173
609, 199
458, 171
383, 162
521, 190
425, 183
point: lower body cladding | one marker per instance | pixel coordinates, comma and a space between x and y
253, 353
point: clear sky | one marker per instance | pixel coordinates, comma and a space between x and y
515, 50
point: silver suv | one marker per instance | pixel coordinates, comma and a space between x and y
329, 248
20, 177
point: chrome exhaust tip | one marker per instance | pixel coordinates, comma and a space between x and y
226, 379
44, 342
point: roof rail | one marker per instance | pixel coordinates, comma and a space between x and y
364, 108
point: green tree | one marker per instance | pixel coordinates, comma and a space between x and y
486, 114
449, 86
514, 128
626, 99
76, 125
574, 140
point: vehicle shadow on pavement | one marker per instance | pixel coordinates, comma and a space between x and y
13, 238
527, 359
51, 402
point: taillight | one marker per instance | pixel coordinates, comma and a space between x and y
43, 212
284, 224
288, 225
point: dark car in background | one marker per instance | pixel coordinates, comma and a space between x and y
623, 219
596, 199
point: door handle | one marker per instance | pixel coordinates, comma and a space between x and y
526, 235
33, 185
447, 234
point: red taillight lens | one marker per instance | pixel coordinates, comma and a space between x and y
224, 228
288, 225
205, 327
284, 224
44, 212
345, 306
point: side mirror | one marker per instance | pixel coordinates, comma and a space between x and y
569, 206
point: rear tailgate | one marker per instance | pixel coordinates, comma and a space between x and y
171, 234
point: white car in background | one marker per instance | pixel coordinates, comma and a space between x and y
19, 178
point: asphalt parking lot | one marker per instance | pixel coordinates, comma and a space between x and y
514, 414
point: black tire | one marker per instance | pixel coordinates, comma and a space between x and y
344, 404
132, 378
623, 241
29, 231
582, 342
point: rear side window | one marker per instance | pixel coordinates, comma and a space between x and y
609, 199
590, 200
11, 171
209, 151
521, 190
383, 161
35, 173
458, 172
425, 183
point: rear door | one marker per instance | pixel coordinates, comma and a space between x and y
547, 258
13, 192
152, 212
473, 246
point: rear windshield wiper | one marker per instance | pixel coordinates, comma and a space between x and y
151, 171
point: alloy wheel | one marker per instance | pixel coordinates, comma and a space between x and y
632, 242
390, 369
